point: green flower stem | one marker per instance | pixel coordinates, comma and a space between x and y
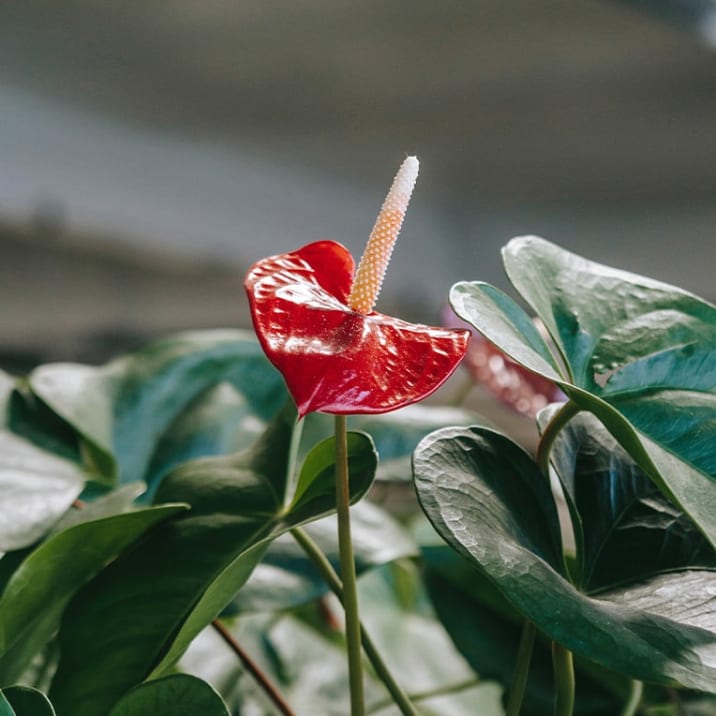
348, 570
635, 693
522, 668
401, 699
563, 679
561, 418
250, 665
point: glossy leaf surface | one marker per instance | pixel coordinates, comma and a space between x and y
617, 331
34, 598
333, 358
660, 413
146, 607
467, 480
176, 695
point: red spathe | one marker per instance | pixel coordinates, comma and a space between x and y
333, 358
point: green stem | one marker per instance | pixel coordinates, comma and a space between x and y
334, 583
445, 690
348, 570
522, 668
563, 680
635, 693
561, 418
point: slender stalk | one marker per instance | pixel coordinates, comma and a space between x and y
291, 476
348, 570
635, 693
252, 667
401, 699
445, 690
522, 668
563, 679
561, 418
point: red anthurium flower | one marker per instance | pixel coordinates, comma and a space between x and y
317, 326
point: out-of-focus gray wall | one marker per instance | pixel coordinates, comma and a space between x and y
150, 151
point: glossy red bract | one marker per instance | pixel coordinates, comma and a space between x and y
333, 358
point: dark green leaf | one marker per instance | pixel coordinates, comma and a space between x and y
642, 429
30, 418
219, 421
467, 480
122, 409
176, 695
682, 422
617, 330
146, 607
36, 488
5, 708
626, 528
22, 701
38, 591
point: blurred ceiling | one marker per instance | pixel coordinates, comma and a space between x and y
513, 102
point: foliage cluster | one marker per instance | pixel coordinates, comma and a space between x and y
151, 505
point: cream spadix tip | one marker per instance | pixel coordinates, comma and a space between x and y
371, 269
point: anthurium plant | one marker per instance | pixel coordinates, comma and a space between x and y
274, 522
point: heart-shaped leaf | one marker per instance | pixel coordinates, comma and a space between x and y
23, 701
122, 410
488, 500
187, 571
640, 396
36, 488
34, 598
176, 695
616, 330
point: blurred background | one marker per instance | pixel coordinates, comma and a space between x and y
149, 152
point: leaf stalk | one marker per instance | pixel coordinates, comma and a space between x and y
563, 665
522, 668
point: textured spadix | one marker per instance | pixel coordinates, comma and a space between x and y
373, 264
